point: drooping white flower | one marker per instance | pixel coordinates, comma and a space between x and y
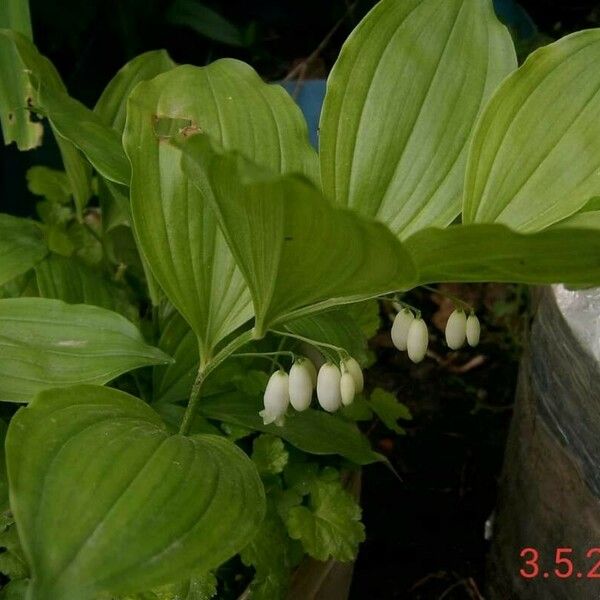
351, 365
301, 384
276, 398
347, 388
417, 340
456, 329
328, 387
400, 328
473, 330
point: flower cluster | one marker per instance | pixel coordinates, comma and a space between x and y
409, 332
336, 387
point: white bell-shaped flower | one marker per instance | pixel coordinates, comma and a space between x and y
456, 329
301, 384
473, 330
351, 365
276, 398
400, 328
347, 388
328, 387
417, 340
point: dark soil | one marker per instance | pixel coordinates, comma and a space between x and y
425, 532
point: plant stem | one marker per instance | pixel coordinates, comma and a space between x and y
204, 370
341, 351
454, 299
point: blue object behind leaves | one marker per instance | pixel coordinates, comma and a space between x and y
309, 95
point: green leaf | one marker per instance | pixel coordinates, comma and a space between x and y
175, 226
197, 587
21, 246
388, 409
401, 103
335, 327
15, 590
273, 555
69, 118
290, 244
12, 561
269, 454
78, 171
14, 14
106, 500
112, 104
535, 155
482, 252
329, 527
312, 431
174, 382
69, 280
3, 476
39, 70
50, 183
205, 21
47, 343
85, 130
15, 87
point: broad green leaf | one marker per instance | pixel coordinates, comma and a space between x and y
401, 103
70, 119
269, 454
205, 21
106, 500
15, 87
535, 154
112, 104
21, 246
298, 253
85, 129
175, 226
41, 73
46, 343
388, 409
312, 431
335, 327
69, 280
329, 527
481, 252
14, 14
581, 220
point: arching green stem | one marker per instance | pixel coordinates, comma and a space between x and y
204, 370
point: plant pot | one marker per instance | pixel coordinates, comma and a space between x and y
550, 488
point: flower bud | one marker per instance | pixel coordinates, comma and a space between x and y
276, 398
473, 330
328, 387
351, 365
301, 384
347, 388
456, 329
417, 340
400, 328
